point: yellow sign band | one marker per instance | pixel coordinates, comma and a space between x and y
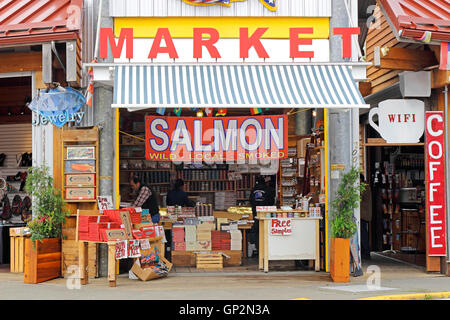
228, 27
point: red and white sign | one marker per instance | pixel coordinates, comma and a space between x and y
281, 227
121, 249
399, 120
216, 138
134, 249
435, 182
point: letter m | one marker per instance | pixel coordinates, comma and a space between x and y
107, 35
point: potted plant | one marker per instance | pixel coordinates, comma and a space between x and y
43, 248
343, 226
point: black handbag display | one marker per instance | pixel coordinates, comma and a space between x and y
16, 205
6, 213
25, 209
25, 160
2, 159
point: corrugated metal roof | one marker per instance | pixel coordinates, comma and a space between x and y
414, 17
24, 21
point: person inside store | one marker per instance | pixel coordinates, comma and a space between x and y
262, 194
146, 198
178, 197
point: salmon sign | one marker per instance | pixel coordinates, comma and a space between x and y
216, 139
435, 182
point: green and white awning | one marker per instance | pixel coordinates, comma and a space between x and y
236, 86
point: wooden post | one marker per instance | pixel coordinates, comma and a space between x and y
317, 239
266, 245
112, 264
261, 244
83, 262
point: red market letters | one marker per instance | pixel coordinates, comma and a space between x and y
246, 42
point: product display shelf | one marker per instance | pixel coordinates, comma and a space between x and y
80, 169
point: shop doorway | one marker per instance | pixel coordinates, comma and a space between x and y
16, 91
393, 206
210, 186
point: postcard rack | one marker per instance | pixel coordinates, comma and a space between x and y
80, 169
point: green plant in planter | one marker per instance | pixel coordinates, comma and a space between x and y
348, 198
49, 208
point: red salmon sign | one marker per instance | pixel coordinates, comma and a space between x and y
435, 181
216, 139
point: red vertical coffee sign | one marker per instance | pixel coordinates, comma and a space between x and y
435, 173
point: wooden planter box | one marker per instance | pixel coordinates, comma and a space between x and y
340, 260
43, 262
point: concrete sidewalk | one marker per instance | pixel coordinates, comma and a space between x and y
396, 278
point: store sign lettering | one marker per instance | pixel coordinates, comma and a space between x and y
435, 173
281, 227
65, 117
216, 139
208, 37
399, 120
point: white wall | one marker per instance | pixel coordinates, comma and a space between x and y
250, 8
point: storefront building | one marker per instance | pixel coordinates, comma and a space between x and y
176, 64
39, 46
400, 158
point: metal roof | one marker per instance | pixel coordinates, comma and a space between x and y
412, 18
31, 21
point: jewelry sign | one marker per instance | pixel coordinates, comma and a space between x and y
435, 183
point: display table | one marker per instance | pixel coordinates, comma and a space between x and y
301, 244
112, 274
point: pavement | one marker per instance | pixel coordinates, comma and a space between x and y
395, 278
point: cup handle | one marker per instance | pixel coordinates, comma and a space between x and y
373, 112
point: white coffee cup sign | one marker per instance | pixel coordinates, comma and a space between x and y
399, 120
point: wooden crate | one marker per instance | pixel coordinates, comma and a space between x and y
17, 252
188, 259
209, 261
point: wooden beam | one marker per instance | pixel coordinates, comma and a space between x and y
20, 61
47, 67
365, 88
440, 78
404, 59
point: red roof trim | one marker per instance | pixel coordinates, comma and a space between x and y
49, 18
414, 17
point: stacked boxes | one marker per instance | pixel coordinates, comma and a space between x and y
220, 240
224, 200
179, 243
236, 240
203, 210
83, 226
204, 236
190, 237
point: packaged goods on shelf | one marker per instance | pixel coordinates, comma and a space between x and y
191, 245
190, 234
179, 246
204, 245
202, 210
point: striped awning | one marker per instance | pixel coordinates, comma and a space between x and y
235, 86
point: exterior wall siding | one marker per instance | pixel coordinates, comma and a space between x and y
249, 8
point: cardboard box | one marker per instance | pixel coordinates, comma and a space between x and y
148, 232
126, 223
146, 274
115, 234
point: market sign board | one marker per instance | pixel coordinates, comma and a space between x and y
435, 184
399, 120
216, 139
281, 227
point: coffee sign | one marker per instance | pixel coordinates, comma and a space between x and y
399, 120
435, 181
